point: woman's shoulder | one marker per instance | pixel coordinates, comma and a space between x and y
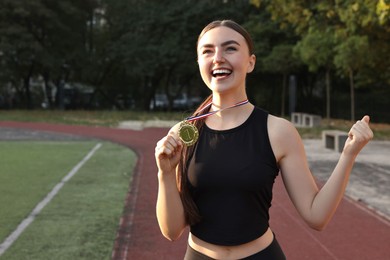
282, 134
278, 121
275, 124
280, 128
280, 125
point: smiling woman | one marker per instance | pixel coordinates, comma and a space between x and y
221, 186
224, 59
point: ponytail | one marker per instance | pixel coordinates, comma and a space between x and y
190, 209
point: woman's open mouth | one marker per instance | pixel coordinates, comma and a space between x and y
221, 73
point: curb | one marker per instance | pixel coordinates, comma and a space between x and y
140, 125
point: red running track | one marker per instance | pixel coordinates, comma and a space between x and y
354, 233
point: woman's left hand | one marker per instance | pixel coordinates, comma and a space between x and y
359, 135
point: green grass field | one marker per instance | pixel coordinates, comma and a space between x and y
82, 220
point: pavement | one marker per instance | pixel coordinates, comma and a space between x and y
369, 183
360, 228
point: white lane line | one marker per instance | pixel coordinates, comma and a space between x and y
27, 221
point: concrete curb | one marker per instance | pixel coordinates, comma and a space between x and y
140, 125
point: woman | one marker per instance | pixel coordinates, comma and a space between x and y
222, 185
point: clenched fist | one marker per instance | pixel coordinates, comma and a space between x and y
358, 136
168, 152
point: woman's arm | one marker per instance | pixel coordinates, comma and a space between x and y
315, 206
169, 208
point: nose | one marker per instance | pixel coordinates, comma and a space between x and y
218, 56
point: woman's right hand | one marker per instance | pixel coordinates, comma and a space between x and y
168, 152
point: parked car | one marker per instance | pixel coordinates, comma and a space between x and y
125, 101
181, 102
160, 102
184, 102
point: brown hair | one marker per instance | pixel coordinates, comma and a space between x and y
191, 211
232, 25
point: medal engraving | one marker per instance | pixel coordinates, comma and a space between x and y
188, 133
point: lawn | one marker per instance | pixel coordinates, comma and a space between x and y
82, 220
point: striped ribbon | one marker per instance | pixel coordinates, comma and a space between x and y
193, 118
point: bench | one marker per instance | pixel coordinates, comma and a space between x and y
305, 120
334, 139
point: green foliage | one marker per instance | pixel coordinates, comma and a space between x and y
41, 38
351, 36
383, 11
281, 60
323, 25
132, 48
316, 49
156, 41
352, 53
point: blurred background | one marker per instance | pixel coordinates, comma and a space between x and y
329, 58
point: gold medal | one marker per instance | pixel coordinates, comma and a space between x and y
188, 133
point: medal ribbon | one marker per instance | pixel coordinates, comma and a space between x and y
193, 118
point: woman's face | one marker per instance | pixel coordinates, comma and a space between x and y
224, 59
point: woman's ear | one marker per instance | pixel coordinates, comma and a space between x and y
252, 62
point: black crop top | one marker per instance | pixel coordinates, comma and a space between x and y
231, 176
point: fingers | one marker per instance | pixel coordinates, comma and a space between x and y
359, 135
168, 153
169, 145
361, 130
366, 119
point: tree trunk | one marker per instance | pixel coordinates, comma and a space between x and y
26, 83
60, 95
283, 94
327, 94
352, 90
150, 91
48, 93
171, 97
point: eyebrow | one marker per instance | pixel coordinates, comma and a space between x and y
223, 44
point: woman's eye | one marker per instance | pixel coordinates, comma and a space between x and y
231, 48
206, 51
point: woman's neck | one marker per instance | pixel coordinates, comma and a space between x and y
229, 118
223, 101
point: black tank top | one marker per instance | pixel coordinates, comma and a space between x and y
231, 175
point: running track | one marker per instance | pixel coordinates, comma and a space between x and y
354, 233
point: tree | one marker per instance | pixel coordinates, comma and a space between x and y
350, 57
273, 50
343, 22
281, 61
19, 47
316, 49
42, 38
155, 40
383, 11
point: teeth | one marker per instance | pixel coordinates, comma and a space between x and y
221, 71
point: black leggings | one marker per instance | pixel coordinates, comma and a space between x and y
271, 252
